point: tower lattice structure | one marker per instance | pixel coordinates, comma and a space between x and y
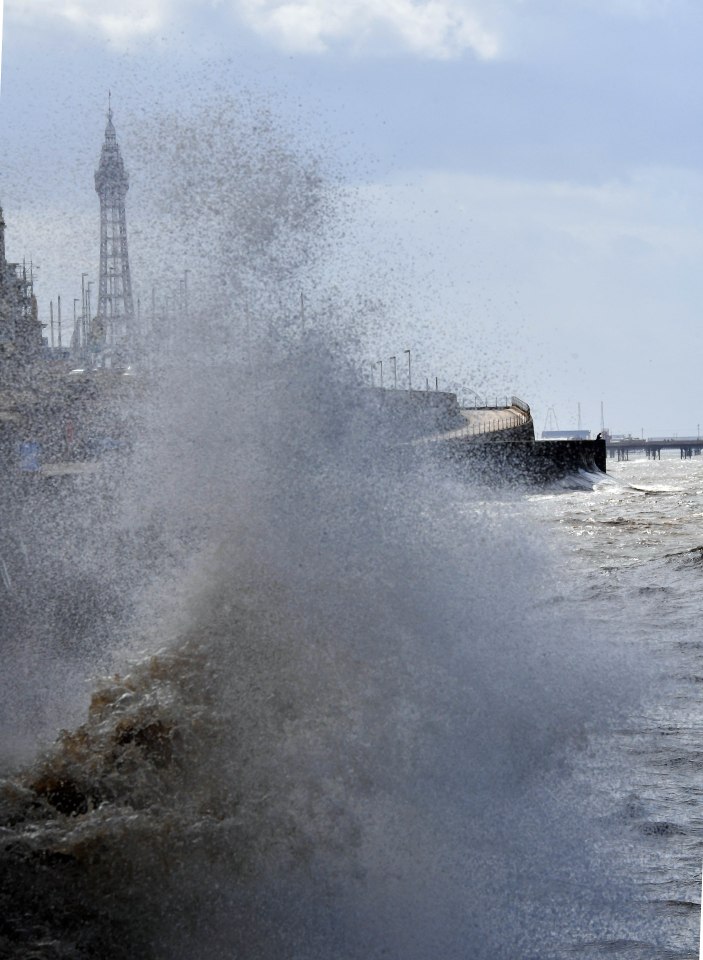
113, 327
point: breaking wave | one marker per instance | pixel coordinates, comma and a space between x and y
342, 712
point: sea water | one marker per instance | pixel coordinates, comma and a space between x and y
633, 559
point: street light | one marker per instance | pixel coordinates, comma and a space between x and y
78, 338
410, 381
84, 323
87, 305
395, 373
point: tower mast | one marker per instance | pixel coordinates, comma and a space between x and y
115, 317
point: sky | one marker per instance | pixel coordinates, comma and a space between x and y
528, 171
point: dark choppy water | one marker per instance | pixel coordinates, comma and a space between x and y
635, 559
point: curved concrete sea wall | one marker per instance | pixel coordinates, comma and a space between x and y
531, 461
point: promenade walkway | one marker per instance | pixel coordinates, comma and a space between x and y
486, 421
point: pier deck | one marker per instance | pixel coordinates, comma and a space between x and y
652, 447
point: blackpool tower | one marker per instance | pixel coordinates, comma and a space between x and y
113, 328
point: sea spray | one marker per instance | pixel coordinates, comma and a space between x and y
352, 741
350, 715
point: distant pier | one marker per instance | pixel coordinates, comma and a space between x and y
652, 447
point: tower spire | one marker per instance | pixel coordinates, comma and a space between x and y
115, 304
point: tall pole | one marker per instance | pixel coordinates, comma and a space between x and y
75, 321
410, 379
59, 308
51, 314
87, 307
579, 415
152, 343
395, 373
84, 312
380, 362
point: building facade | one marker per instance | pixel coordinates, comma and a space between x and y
21, 333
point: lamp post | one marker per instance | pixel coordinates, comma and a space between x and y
75, 321
410, 380
395, 373
84, 312
87, 308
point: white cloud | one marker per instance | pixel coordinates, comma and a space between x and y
439, 29
129, 19
432, 29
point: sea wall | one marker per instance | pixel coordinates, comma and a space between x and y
531, 461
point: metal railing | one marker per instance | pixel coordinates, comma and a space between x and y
486, 405
507, 402
478, 429
497, 425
